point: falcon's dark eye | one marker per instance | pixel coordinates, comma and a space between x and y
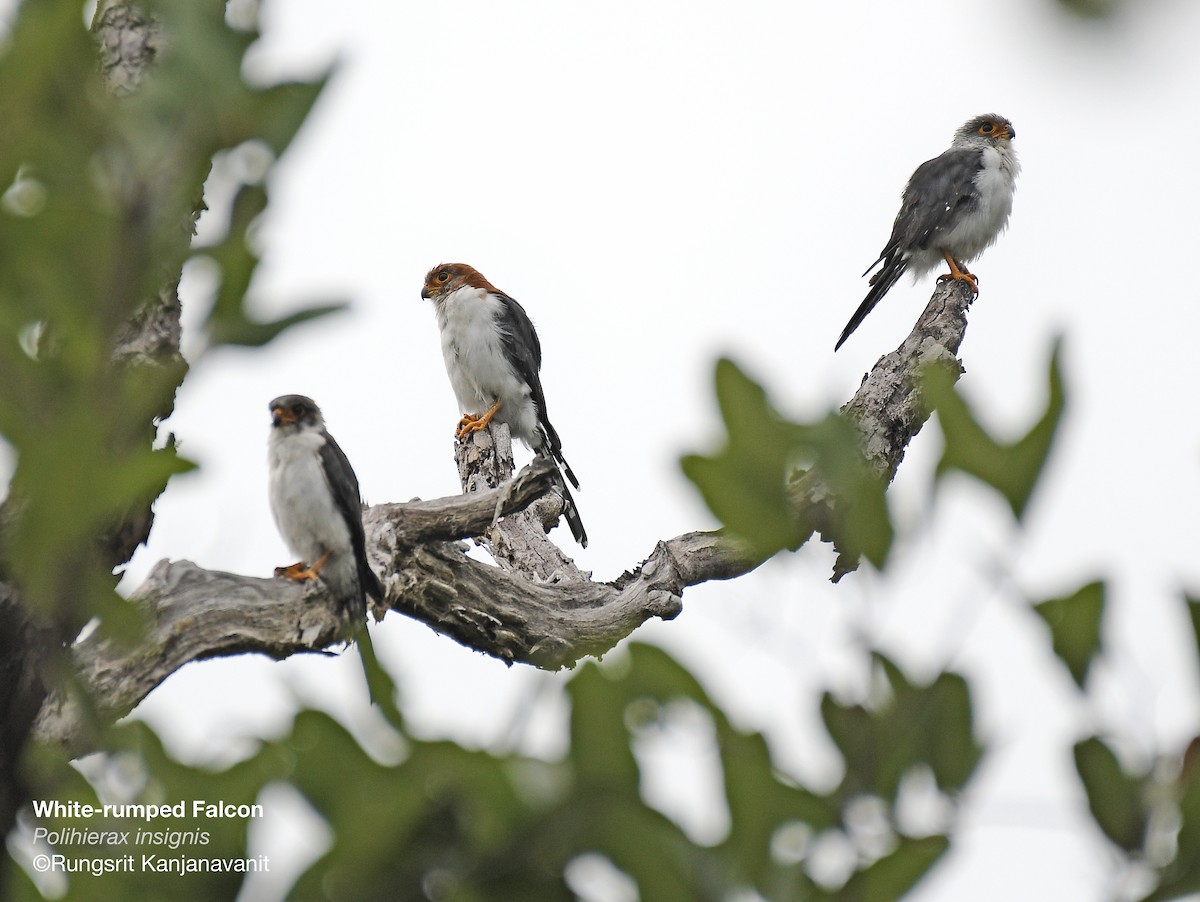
298, 410
443, 276
986, 128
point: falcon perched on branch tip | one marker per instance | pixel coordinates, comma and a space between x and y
493, 357
954, 206
317, 506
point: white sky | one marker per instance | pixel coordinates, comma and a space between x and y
662, 182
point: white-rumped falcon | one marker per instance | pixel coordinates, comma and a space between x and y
493, 357
317, 505
954, 207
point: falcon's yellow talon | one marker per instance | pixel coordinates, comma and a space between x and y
958, 274
472, 423
300, 572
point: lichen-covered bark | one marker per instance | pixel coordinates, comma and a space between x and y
533, 606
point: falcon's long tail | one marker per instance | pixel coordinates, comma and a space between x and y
570, 511
893, 268
552, 445
370, 584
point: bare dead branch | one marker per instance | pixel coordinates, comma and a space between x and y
532, 606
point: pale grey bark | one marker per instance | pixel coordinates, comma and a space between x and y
533, 606
128, 40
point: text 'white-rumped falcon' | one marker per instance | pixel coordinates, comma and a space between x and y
317, 506
954, 207
493, 357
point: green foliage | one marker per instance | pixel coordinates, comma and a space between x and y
1150, 813
752, 484
437, 820
1011, 468
1181, 877
96, 223
1074, 624
746, 483
1193, 609
913, 724
137, 770
1114, 797
1092, 9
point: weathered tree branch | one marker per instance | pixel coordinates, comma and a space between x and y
533, 606
32, 646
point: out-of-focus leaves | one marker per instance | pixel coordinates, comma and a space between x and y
598, 737
229, 322
422, 818
1091, 9
1074, 624
861, 524
1011, 468
139, 771
915, 725
238, 330
896, 873
1193, 609
760, 803
745, 483
1116, 798
99, 198
1182, 876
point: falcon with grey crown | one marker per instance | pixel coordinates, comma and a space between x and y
317, 506
953, 208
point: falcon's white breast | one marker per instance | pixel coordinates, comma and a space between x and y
477, 363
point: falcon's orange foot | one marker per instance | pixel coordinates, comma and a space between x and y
471, 423
958, 274
300, 572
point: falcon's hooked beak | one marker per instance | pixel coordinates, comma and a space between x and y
1007, 131
426, 294
281, 416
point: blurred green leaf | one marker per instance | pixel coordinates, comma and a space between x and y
760, 803
1115, 797
137, 770
896, 873
1181, 877
417, 818
861, 524
229, 323
1193, 609
915, 725
1074, 623
601, 745
1011, 468
746, 483
1091, 9
96, 219
243, 331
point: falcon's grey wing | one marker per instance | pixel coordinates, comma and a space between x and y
523, 348
348, 500
939, 193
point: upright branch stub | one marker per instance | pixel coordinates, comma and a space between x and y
518, 542
129, 40
890, 407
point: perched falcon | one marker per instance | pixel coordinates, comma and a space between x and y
493, 357
317, 506
954, 206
